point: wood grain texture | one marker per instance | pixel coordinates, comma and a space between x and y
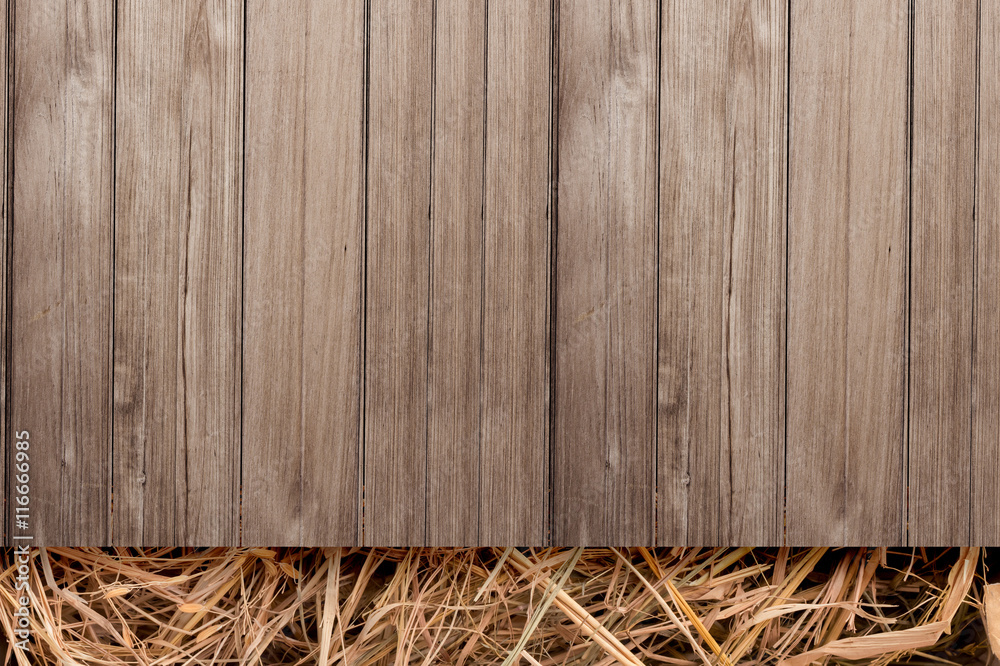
456, 296
178, 219
944, 118
6, 430
986, 308
333, 236
721, 273
516, 313
605, 320
847, 279
398, 272
272, 279
61, 338
302, 277
500, 272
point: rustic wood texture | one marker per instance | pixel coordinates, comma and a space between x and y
274, 221
304, 192
721, 273
62, 220
397, 305
516, 309
333, 255
5, 266
455, 360
943, 173
447, 272
605, 321
986, 308
178, 222
847, 279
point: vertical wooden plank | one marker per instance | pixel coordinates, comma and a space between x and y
986, 313
721, 272
333, 253
847, 281
178, 218
455, 363
604, 439
302, 292
5, 265
61, 390
273, 228
944, 117
515, 414
398, 272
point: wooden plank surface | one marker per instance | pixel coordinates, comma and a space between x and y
605, 318
178, 219
503, 272
302, 277
516, 307
721, 251
62, 192
272, 273
986, 308
456, 291
333, 254
847, 280
398, 272
5, 266
940, 410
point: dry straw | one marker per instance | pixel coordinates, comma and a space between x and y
495, 606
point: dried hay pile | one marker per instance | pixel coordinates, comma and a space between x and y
493, 606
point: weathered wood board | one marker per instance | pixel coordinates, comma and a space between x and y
847, 285
461, 273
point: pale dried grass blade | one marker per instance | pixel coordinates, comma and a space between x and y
493, 574
552, 588
892, 642
590, 627
991, 615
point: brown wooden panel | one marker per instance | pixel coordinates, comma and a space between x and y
302, 290
515, 414
721, 273
944, 119
847, 280
61, 379
333, 236
986, 308
398, 272
455, 354
503, 271
6, 434
178, 210
604, 438
273, 273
